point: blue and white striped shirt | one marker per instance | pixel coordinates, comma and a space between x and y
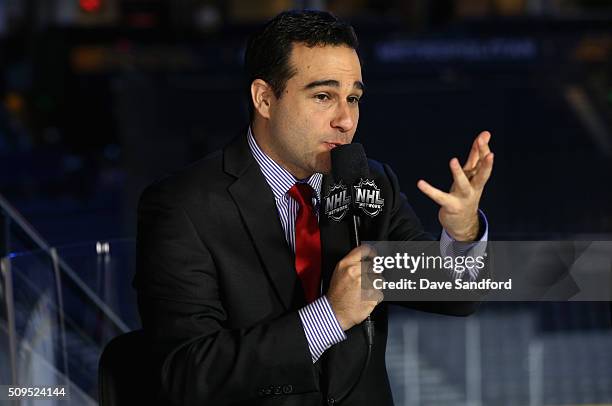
318, 319
321, 327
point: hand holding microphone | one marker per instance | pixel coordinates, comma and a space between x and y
345, 292
354, 194
346, 296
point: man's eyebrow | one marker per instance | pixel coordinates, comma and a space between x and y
333, 83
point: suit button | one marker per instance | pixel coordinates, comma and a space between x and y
277, 390
287, 389
331, 401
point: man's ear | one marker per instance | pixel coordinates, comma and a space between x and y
262, 97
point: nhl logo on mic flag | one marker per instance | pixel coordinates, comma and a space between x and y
337, 202
367, 197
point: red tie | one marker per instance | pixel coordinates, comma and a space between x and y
307, 241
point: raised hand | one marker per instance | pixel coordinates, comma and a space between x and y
459, 207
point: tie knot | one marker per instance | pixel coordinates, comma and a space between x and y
302, 193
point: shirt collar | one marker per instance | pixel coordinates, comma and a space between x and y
279, 179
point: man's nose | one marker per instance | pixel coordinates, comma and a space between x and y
343, 120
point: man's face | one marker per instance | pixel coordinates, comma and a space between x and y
318, 110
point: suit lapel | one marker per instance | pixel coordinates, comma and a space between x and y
256, 204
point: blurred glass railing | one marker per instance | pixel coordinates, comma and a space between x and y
60, 307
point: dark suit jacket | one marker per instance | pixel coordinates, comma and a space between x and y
219, 297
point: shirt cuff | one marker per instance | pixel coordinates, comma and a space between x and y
320, 326
449, 247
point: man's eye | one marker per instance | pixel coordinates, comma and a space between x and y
354, 100
322, 97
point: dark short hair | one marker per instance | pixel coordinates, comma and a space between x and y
268, 49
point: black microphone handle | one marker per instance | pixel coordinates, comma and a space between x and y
369, 324
355, 231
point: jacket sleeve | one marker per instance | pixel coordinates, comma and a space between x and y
183, 315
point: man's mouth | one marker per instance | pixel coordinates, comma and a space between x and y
332, 145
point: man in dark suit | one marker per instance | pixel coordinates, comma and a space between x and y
248, 294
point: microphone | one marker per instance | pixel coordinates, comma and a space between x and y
349, 167
350, 170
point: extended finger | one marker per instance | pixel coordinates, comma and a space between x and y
473, 157
483, 174
433, 193
469, 173
460, 178
483, 144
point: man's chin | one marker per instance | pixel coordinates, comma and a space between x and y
324, 165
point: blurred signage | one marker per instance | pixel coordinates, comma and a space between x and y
443, 50
97, 12
594, 49
101, 59
91, 6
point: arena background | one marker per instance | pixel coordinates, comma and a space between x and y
101, 97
